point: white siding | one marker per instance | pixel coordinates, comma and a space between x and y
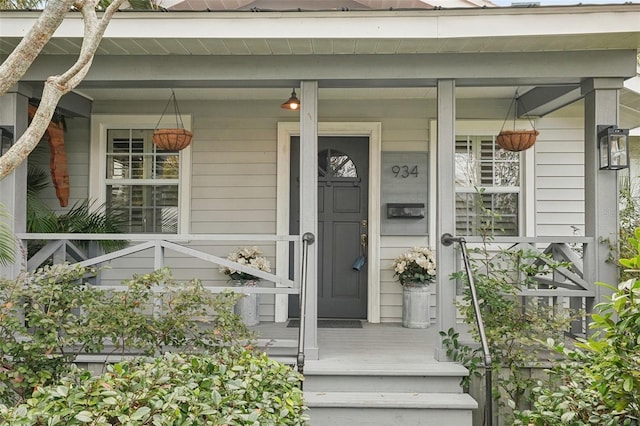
559, 177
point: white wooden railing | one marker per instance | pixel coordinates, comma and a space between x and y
572, 286
61, 248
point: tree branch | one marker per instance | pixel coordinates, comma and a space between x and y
55, 86
19, 61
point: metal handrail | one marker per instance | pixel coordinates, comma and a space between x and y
447, 240
307, 239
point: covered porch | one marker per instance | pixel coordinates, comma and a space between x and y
413, 82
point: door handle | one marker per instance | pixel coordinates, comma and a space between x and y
363, 240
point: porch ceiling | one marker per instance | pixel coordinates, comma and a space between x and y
331, 46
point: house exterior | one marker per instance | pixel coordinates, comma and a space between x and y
396, 131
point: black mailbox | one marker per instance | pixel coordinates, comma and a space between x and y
405, 210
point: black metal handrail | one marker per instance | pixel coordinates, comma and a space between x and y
447, 240
307, 240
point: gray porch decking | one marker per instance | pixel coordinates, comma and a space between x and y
380, 374
384, 345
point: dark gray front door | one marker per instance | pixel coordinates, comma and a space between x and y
343, 170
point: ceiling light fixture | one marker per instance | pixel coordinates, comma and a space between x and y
292, 103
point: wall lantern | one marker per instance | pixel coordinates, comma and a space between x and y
6, 139
613, 144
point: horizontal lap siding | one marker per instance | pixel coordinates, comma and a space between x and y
559, 177
233, 184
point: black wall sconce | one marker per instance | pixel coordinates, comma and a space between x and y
613, 144
6, 138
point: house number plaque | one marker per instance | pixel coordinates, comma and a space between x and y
405, 189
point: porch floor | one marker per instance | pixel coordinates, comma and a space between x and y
374, 346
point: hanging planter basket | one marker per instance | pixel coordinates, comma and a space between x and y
516, 140
172, 139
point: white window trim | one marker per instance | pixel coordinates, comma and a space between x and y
100, 123
526, 222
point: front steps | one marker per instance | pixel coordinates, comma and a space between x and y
426, 395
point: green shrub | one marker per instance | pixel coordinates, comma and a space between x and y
49, 317
600, 381
230, 387
515, 328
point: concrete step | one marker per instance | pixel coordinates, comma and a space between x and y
436, 378
277, 347
439, 379
389, 408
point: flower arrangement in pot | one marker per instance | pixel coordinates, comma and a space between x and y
248, 256
415, 270
415, 267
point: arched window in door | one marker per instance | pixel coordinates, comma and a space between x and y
334, 163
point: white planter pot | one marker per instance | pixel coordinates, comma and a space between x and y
247, 309
416, 312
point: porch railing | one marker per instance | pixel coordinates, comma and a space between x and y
62, 247
307, 240
571, 286
447, 240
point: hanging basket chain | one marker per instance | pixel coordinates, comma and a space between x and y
176, 110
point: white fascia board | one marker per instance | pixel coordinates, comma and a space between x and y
350, 25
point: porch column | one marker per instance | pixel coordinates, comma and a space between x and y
13, 188
601, 99
309, 206
445, 207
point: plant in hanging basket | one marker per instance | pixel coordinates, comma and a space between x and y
516, 140
172, 139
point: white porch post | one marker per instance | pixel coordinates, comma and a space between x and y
13, 188
445, 207
309, 206
601, 186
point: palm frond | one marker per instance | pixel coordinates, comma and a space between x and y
8, 241
85, 218
40, 217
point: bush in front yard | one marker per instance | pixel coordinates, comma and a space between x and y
230, 387
599, 383
49, 317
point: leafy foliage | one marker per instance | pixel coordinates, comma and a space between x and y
600, 381
49, 317
83, 217
230, 387
8, 242
516, 329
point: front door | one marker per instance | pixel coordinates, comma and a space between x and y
343, 170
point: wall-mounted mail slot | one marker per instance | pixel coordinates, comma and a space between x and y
405, 210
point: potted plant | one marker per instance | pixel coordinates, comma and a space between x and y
247, 307
415, 269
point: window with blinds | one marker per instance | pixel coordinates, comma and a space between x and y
142, 182
487, 187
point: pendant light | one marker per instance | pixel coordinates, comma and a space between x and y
292, 103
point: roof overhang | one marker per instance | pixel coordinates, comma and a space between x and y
473, 30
